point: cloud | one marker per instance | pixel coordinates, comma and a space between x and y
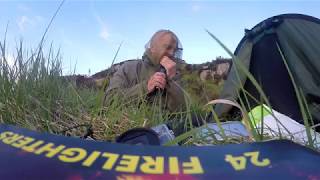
25, 21
195, 7
104, 33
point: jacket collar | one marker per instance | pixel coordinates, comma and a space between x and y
148, 60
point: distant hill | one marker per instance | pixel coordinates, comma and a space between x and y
206, 78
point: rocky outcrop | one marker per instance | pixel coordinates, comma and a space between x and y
215, 71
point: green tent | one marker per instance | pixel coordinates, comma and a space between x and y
297, 37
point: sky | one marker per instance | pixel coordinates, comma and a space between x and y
89, 32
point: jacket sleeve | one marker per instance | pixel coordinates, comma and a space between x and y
121, 85
175, 96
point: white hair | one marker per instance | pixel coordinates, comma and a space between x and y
179, 50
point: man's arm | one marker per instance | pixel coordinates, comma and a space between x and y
123, 86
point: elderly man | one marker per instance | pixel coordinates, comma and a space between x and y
153, 78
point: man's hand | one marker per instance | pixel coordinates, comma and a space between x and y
157, 80
169, 65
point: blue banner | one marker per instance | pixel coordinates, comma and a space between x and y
25, 154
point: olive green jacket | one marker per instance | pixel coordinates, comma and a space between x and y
130, 82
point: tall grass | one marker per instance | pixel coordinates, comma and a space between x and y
35, 95
32, 92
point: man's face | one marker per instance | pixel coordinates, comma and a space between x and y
164, 44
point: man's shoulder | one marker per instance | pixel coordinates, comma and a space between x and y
130, 66
130, 62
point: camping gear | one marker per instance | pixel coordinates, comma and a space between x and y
221, 131
157, 135
245, 118
297, 37
139, 136
164, 133
161, 134
231, 129
274, 124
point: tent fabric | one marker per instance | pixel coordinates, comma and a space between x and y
301, 48
271, 73
298, 37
